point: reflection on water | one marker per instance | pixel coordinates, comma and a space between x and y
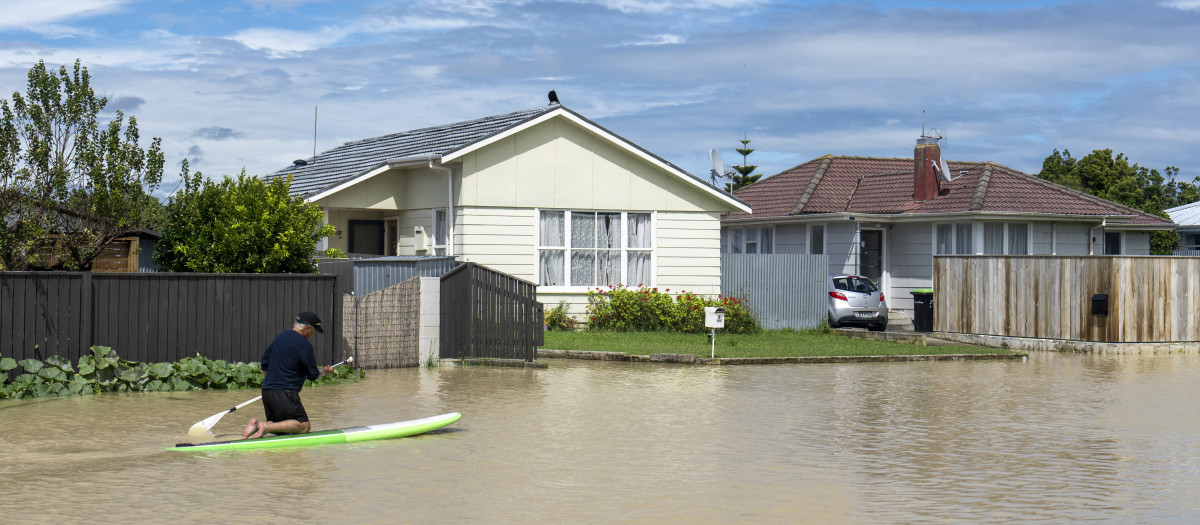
1058, 438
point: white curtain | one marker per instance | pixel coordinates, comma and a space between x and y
962, 240
945, 239
993, 238
639, 230
583, 267
1018, 239
767, 241
736, 244
552, 234
638, 273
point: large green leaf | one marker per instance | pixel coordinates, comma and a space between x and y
52, 374
81, 386
87, 365
60, 362
31, 365
7, 363
160, 370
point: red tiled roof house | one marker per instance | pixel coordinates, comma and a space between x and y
886, 217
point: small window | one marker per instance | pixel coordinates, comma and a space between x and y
766, 239
945, 239
963, 244
441, 232
1112, 243
816, 244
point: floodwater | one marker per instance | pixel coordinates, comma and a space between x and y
1058, 438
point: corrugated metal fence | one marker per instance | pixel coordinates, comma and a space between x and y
784, 290
1150, 299
157, 317
363, 276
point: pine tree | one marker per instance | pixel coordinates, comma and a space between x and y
744, 170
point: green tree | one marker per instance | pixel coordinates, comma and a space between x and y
1115, 178
242, 225
69, 185
743, 177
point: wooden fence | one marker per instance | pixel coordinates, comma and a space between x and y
156, 317
486, 313
1150, 299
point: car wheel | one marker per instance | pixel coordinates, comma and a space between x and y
833, 324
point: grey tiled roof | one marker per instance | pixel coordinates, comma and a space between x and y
355, 158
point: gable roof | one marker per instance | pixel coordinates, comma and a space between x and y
361, 156
871, 185
351, 161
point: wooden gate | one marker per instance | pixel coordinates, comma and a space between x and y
489, 314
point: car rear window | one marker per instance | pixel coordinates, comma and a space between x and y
854, 284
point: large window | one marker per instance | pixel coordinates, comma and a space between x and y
999, 238
584, 248
752, 240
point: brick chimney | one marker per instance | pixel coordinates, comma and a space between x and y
927, 182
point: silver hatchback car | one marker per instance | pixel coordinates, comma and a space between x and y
856, 300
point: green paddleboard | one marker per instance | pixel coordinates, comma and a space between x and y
324, 437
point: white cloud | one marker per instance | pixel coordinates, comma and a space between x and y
37, 15
1184, 4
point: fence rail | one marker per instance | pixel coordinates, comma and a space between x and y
1150, 299
155, 317
486, 313
783, 290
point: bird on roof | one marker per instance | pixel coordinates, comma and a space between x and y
553, 97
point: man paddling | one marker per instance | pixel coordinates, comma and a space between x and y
286, 363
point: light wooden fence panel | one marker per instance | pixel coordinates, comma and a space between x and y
1150, 299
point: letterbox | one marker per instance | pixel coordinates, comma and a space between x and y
714, 317
1100, 304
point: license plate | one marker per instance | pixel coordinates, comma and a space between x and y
865, 314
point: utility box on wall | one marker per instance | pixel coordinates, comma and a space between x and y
1100, 304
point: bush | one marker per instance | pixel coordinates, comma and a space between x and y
646, 309
557, 318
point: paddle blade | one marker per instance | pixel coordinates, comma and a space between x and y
200, 430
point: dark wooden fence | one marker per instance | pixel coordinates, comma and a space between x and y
1149, 299
486, 313
156, 317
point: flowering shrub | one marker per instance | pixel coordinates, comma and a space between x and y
647, 309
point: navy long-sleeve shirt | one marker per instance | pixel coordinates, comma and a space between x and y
288, 361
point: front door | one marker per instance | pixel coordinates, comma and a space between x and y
870, 261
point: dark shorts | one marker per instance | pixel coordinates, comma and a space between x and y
282, 405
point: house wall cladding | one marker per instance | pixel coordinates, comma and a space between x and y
783, 290
1150, 299
382, 328
157, 317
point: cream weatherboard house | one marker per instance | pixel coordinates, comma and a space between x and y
545, 195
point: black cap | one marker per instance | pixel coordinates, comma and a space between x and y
310, 319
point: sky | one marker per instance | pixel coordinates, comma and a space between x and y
236, 85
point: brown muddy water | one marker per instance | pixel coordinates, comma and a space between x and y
1059, 438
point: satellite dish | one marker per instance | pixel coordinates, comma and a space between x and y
718, 167
944, 169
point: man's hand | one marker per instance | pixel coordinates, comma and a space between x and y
328, 370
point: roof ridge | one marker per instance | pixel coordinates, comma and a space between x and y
981, 187
446, 126
812, 185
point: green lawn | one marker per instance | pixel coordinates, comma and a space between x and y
774, 343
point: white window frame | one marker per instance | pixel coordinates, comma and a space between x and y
740, 240
439, 248
567, 249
